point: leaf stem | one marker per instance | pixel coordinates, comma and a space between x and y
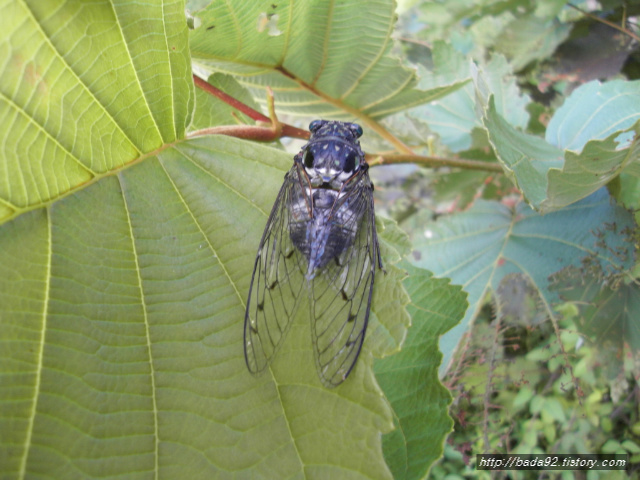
229, 100
246, 131
607, 22
376, 159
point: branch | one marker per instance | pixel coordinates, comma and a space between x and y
607, 22
246, 131
276, 129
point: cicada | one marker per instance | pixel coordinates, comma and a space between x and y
320, 240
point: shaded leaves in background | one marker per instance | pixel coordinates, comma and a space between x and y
479, 247
609, 313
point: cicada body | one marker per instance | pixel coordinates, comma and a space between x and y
320, 240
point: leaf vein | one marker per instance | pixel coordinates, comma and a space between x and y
173, 93
135, 72
36, 393
373, 61
79, 80
147, 331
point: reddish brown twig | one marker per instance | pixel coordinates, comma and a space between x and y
246, 131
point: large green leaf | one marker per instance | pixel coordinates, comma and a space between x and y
482, 246
121, 339
410, 378
122, 288
321, 58
589, 141
86, 89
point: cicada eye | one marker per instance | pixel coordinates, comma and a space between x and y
350, 162
307, 158
315, 125
357, 130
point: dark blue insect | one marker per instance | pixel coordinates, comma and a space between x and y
320, 239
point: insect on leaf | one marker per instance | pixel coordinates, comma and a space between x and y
320, 238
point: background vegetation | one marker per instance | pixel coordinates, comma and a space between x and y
504, 136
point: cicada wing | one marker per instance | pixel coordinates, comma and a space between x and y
277, 281
341, 294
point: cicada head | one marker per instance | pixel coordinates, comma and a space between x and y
333, 154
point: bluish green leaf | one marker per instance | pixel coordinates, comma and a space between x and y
454, 117
478, 248
589, 142
595, 111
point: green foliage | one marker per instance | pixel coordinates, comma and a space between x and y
454, 118
533, 406
69, 101
597, 129
142, 336
127, 241
408, 378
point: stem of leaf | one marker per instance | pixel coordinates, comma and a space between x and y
245, 131
374, 159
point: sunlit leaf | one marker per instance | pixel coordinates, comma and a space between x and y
85, 90
122, 287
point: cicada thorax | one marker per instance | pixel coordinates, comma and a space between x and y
325, 219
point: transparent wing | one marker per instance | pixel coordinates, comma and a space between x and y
341, 294
278, 278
